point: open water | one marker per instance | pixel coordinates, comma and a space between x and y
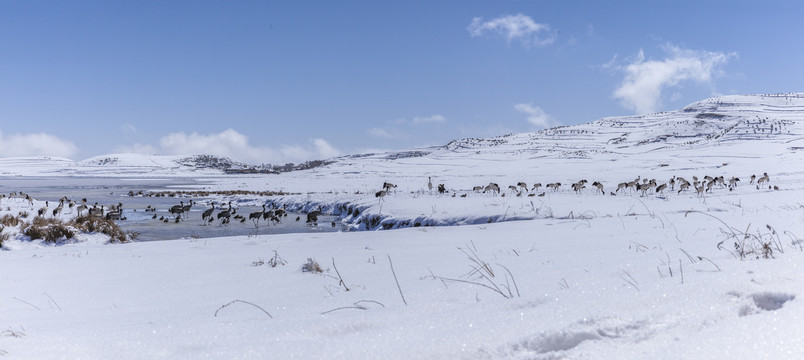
109, 191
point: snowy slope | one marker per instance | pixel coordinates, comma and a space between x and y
585, 275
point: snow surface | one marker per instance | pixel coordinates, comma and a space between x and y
576, 276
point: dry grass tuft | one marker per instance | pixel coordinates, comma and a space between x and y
51, 230
9, 220
312, 266
101, 225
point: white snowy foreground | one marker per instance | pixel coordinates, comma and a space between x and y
576, 276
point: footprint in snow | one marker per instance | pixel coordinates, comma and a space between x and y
765, 301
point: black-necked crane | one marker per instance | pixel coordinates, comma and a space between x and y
255, 216
207, 214
225, 215
312, 216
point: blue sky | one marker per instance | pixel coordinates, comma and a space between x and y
275, 82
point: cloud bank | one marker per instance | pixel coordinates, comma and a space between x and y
36, 144
232, 144
645, 80
517, 27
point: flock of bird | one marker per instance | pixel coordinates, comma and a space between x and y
227, 213
640, 185
224, 215
113, 212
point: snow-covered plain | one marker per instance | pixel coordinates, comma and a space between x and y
576, 276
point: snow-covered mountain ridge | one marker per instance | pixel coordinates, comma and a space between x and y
715, 121
774, 121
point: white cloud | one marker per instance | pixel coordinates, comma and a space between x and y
429, 119
514, 27
536, 115
235, 145
380, 133
433, 119
641, 90
129, 129
326, 150
37, 144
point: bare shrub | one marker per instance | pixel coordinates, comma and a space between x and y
276, 260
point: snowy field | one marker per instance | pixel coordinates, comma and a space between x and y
564, 275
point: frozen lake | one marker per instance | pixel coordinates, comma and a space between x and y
109, 191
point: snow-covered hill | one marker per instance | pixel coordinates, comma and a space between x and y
751, 125
580, 275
